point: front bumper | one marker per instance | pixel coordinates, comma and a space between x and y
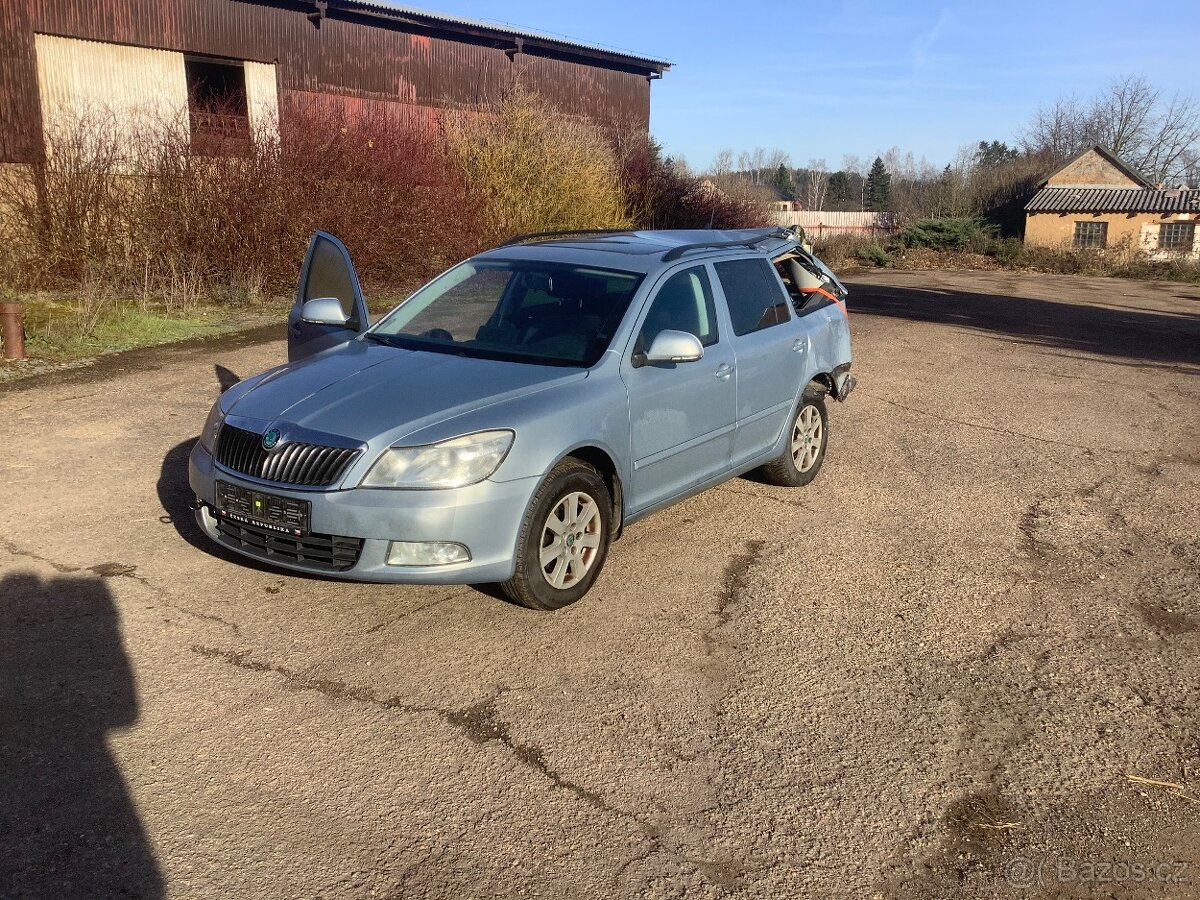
484, 517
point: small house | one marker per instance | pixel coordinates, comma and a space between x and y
1096, 201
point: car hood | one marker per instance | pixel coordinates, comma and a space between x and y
364, 390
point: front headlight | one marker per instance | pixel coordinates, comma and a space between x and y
450, 464
212, 427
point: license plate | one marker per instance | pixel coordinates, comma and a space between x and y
282, 514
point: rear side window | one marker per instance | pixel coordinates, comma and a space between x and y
752, 292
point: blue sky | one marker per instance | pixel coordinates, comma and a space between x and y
824, 79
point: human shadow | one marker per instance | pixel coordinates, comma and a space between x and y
68, 827
1156, 338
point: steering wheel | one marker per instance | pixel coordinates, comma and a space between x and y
439, 334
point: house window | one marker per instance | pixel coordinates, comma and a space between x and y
1090, 235
1177, 236
217, 107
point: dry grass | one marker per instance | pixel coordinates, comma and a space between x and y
1119, 261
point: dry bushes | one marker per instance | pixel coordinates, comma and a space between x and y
531, 169
660, 194
156, 220
147, 215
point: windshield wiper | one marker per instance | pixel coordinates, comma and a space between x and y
380, 338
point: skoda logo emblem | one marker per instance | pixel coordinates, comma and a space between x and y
271, 439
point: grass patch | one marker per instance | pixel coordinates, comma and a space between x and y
64, 328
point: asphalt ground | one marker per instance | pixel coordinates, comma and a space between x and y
936, 672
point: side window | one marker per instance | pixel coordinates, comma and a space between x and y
329, 276
752, 291
683, 303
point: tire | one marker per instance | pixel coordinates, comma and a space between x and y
804, 451
573, 493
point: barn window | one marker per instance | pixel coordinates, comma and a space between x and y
1090, 235
217, 108
1177, 235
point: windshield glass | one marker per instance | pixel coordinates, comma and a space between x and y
520, 310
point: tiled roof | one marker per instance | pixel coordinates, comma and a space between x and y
1098, 200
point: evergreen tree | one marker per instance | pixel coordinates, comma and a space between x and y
839, 188
878, 195
782, 182
997, 153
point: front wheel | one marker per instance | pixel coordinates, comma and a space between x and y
804, 451
564, 538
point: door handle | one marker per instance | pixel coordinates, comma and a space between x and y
724, 370
798, 345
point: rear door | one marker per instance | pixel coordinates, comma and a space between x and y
681, 415
771, 348
327, 272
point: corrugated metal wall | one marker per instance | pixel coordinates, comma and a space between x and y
113, 88
344, 57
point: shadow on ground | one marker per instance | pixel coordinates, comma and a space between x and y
68, 827
1171, 340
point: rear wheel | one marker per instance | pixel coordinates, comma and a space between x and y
564, 538
804, 451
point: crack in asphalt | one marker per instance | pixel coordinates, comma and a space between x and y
993, 428
116, 570
386, 623
791, 504
12, 548
479, 723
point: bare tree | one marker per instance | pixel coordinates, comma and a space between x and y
818, 183
722, 164
1131, 117
777, 158
1173, 145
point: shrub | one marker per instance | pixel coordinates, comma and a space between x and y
948, 234
148, 218
876, 255
662, 194
531, 168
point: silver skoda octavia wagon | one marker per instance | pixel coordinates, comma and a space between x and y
507, 420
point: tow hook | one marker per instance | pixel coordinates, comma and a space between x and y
196, 504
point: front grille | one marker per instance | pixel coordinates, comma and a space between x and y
291, 463
327, 552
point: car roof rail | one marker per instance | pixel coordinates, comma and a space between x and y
537, 235
748, 243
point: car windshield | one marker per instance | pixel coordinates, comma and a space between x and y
519, 310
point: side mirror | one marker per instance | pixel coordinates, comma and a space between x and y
674, 347
323, 311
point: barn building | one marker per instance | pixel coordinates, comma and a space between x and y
231, 66
1095, 201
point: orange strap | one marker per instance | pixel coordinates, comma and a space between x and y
818, 290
